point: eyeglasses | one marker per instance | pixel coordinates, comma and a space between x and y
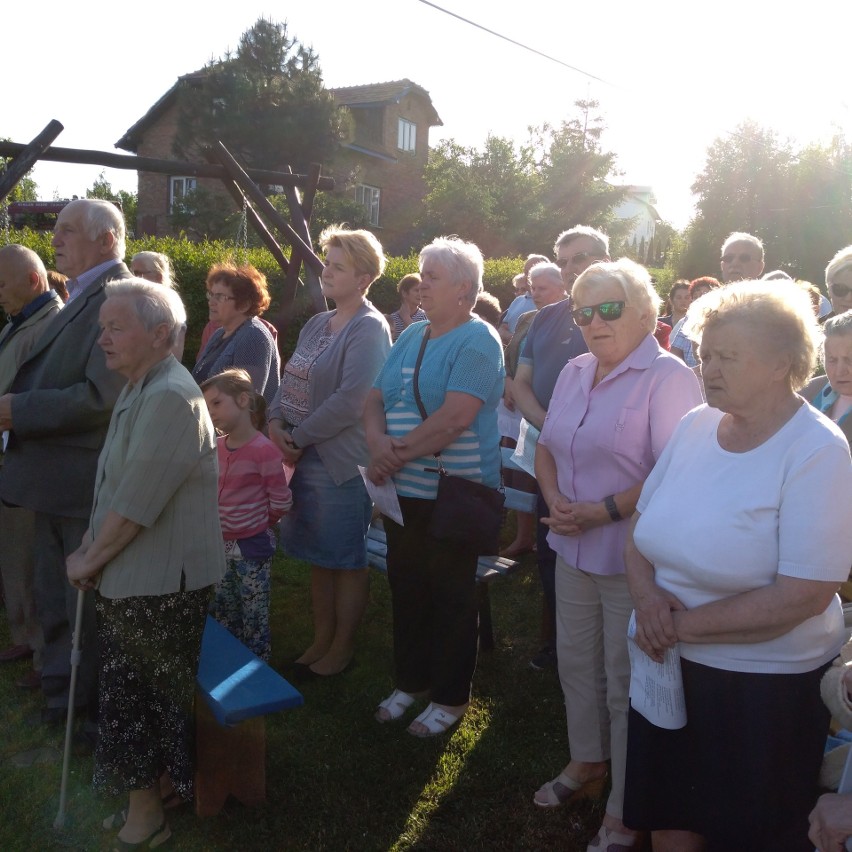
219, 297
605, 310
743, 258
839, 290
562, 262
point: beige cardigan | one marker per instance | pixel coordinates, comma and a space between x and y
158, 468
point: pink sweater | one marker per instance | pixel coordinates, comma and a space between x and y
253, 490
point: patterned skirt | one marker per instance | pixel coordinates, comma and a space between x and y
150, 647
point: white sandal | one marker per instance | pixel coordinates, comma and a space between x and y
396, 704
436, 720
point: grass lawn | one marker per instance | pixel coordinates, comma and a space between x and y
337, 780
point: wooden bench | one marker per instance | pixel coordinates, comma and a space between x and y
236, 689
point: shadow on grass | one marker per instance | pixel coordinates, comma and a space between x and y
338, 780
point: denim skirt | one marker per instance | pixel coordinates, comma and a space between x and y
327, 525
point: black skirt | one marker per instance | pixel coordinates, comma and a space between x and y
150, 647
743, 772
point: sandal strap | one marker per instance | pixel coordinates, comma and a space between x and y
397, 703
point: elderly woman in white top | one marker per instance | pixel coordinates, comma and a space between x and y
153, 552
744, 584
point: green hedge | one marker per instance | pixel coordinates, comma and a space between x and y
192, 261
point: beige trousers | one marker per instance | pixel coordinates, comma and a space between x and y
592, 611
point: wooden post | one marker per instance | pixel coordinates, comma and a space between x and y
28, 157
256, 222
300, 225
311, 261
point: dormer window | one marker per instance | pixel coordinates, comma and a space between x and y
407, 136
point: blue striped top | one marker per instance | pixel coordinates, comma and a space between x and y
468, 359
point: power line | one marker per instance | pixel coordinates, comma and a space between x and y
731, 133
518, 43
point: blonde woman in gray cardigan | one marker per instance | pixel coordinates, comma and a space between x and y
316, 421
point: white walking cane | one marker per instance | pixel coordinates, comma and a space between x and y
59, 822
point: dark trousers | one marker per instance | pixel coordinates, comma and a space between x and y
56, 602
433, 590
546, 558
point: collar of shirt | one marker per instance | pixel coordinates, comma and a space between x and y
77, 285
28, 310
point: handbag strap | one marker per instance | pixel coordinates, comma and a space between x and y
416, 388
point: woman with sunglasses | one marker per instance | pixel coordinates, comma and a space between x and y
236, 297
611, 414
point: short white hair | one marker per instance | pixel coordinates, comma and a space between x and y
599, 238
153, 303
839, 263
548, 270
100, 217
462, 260
741, 237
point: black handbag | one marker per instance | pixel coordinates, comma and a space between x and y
466, 513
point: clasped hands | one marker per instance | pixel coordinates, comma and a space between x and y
573, 519
80, 574
385, 458
284, 441
657, 614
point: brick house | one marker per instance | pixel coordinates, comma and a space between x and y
381, 166
387, 154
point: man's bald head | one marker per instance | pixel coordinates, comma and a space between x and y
22, 278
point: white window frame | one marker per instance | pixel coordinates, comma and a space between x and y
370, 198
179, 186
406, 139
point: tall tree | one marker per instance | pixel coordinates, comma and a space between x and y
486, 196
575, 174
515, 200
798, 202
266, 103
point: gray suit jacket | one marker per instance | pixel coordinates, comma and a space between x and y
64, 396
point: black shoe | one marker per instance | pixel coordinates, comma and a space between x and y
544, 659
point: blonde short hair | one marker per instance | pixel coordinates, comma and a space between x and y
780, 311
361, 249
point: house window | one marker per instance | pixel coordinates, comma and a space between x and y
369, 197
178, 188
407, 136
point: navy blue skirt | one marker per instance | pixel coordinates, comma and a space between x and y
743, 772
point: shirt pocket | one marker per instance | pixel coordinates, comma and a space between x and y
629, 436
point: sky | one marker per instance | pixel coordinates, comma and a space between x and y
672, 76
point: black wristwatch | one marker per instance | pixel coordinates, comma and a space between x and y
609, 503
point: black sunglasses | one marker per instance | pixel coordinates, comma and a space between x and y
562, 262
605, 310
840, 290
743, 258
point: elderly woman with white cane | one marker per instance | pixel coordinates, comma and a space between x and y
153, 554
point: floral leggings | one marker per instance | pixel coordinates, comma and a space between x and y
241, 603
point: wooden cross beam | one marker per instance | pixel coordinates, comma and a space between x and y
27, 157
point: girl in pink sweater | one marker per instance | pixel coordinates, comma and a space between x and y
253, 495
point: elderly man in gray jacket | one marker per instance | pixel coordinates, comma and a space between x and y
29, 303
58, 410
